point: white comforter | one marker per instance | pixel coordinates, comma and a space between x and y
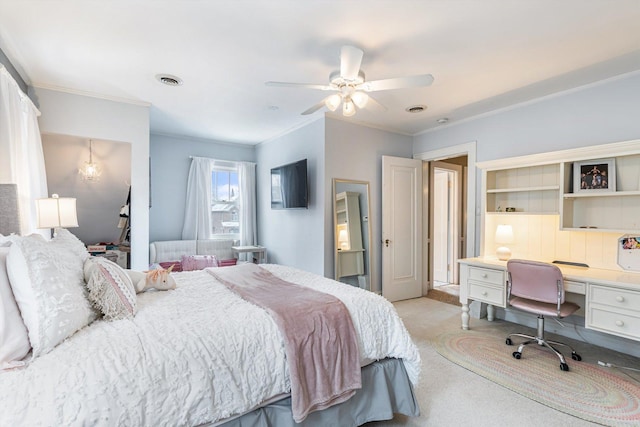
194, 355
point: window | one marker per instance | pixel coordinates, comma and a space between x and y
225, 194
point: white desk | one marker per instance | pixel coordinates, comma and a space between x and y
260, 251
612, 297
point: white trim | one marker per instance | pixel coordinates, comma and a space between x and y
92, 94
468, 149
290, 130
570, 155
498, 110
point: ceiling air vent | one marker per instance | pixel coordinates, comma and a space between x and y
416, 109
169, 80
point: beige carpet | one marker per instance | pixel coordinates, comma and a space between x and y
450, 395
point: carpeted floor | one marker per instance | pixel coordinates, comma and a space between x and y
450, 395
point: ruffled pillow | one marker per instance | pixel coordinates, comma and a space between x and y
48, 284
110, 289
14, 339
198, 262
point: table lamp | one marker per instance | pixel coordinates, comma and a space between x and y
56, 212
504, 235
343, 239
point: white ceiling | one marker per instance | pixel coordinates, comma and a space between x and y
484, 55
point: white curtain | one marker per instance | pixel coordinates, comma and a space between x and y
247, 183
197, 212
21, 155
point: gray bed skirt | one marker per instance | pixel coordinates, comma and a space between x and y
386, 390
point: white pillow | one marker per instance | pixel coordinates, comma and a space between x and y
14, 340
110, 288
48, 284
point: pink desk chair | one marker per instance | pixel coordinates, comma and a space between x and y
537, 287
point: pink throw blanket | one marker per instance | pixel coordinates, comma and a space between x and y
320, 340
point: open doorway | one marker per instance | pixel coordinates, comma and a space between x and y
447, 220
463, 155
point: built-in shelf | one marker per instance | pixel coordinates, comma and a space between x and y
516, 190
527, 189
547, 189
601, 210
602, 194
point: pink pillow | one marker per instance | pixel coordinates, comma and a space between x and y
227, 262
177, 265
198, 262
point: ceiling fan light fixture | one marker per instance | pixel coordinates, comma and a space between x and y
348, 108
333, 102
360, 99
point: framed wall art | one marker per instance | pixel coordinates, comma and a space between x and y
594, 176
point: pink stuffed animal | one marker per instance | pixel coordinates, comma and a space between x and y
159, 279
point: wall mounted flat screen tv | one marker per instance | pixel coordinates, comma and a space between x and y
289, 188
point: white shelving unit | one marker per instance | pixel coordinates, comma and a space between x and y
542, 184
529, 189
615, 211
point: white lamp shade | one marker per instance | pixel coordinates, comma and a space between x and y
360, 99
504, 234
333, 102
348, 108
56, 212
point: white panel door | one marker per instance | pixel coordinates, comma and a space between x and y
401, 228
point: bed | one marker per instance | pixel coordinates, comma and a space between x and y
202, 355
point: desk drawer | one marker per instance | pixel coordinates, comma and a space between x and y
575, 287
487, 275
614, 297
616, 323
488, 294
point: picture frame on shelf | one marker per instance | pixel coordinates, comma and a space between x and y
594, 176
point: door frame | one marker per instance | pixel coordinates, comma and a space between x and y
468, 149
454, 217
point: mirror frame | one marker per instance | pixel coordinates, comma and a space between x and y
368, 250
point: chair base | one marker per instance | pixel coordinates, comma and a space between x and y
540, 340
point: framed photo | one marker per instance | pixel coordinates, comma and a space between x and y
594, 176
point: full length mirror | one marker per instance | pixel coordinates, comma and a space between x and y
352, 232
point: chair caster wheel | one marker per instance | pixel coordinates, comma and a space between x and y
517, 354
508, 341
564, 367
576, 356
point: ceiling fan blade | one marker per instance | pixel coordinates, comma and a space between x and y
350, 61
374, 105
313, 109
398, 83
300, 85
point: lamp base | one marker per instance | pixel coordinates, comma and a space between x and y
503, 253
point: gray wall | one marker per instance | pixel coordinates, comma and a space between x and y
170, 165
14, 73
294, 237
601, 113
355, 152
97, 202
88, 117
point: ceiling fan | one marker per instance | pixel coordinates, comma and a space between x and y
350, 85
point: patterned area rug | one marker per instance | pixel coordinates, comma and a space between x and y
587, 391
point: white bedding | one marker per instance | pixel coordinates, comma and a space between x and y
194, 355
